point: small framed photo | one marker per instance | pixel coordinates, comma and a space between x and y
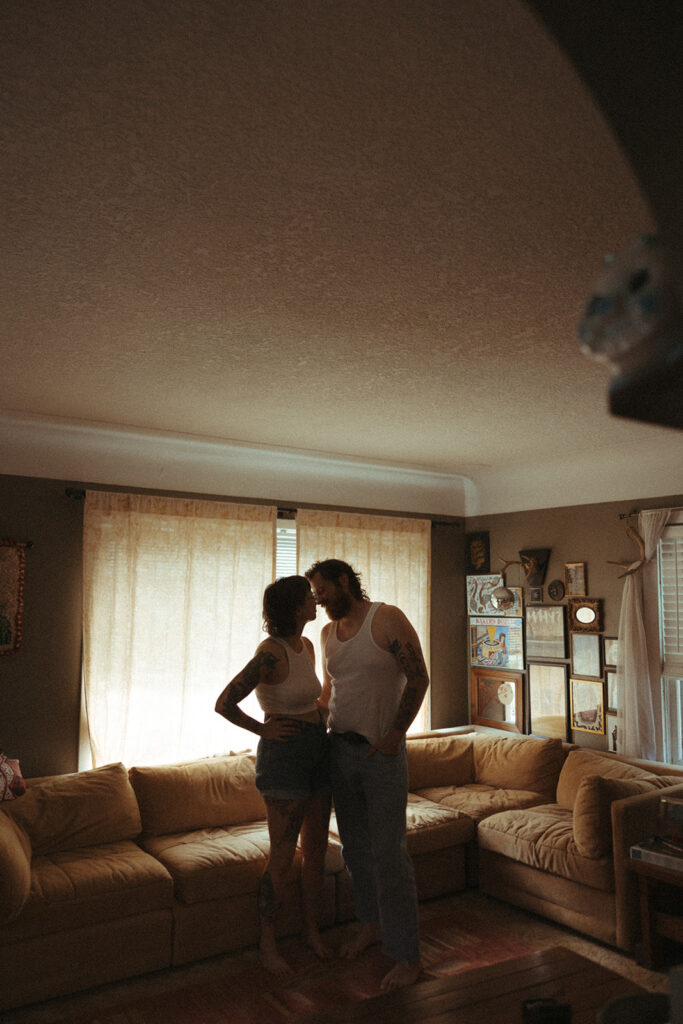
612, 691
585, 614
575, 579
610, 651
497, 699
611, 726
548, 700
545, 631
587, 705
496, 642
536, 595
585, 655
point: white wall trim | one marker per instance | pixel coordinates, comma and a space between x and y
104, 454
109, 455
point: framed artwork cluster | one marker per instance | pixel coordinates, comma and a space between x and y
543, 668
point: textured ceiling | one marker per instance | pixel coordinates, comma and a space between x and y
356, 228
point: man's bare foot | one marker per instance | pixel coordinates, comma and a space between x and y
367, 935
401, 974
274, 963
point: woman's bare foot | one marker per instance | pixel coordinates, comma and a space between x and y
273, 962
315, 942
367, 935
401, 974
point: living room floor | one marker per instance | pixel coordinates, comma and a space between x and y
529, 926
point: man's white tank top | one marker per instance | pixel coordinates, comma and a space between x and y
367, 682
300, 690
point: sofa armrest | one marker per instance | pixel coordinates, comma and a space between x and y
15, 868
634, 819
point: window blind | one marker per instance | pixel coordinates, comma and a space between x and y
671, 601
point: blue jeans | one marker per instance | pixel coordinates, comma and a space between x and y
370, 796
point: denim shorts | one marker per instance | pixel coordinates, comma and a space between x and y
295, 768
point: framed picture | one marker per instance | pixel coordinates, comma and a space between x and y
548, 700
585, 614
545, 631
536, 595
497, 699
611, 726
12, 569
612, 692
496, 642
610, 651
587, 705
575, 580
479, 590
477, 552
585, 655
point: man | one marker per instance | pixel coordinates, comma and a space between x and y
375, 680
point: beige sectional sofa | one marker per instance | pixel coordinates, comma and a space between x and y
114, 872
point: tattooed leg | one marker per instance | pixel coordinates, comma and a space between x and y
268, 906
284, 824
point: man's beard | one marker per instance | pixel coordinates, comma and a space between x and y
339, 607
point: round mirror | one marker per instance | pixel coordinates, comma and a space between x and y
585, 614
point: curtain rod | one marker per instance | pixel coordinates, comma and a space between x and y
637, 511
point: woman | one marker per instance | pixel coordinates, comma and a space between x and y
292, 772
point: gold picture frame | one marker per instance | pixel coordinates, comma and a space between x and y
575, 579
587, 706
584, 614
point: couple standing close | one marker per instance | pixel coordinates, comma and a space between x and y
375, 680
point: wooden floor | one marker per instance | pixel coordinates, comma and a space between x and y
494, 994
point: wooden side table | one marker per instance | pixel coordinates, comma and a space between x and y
661, 909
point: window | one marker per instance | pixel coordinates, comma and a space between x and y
285, 547
173, 594
670, 577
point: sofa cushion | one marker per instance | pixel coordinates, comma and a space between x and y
592, 815
15, 868
68, 812
212, 863
429, 826
198, 794
478, 801
543, 838
525, 764
79, 888
581, 763
439, 761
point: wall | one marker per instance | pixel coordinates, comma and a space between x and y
593, 534
40, 684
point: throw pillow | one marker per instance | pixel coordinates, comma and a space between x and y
582, 762
15, 869
12, 783
593, 811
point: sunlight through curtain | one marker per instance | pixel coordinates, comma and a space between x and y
173, 594
636, 733
393, 557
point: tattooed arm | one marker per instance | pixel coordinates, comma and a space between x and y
267, 666
397, 636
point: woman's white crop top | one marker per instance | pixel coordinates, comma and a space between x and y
300, 690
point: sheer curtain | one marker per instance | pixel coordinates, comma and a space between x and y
393, 557
637, 735
172, 610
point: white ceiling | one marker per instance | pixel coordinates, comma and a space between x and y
362, 232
